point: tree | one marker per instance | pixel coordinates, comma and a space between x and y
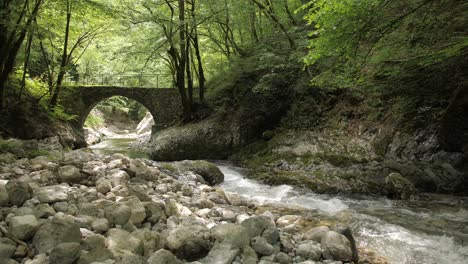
16, 21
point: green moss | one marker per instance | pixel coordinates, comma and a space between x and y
94, 121
9, 145
169, 167
32, 153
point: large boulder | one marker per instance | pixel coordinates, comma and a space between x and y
336, 247
18, 192
52, 194
23, 227
51, 234
69, 174
207, 139
189, 242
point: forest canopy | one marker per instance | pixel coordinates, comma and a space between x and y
184, 43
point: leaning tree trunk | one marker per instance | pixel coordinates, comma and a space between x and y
63, 63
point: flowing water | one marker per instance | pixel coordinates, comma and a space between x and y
430, 231
119, 143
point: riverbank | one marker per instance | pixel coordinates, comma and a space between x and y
85, 208
176, 197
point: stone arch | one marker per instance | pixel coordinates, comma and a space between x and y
84, 115
163, 103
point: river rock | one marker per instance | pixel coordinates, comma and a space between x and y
52, 234
210, 172
261, 246
163, 256
257, 224
398, 187
316, 233
69, 174
288, 221
118, 214
221, 253
282, 258
138, 212
189, 242
336, 247
52, 194
95, 256
44, 211
23, 227
346, 231
122, 243
286, 242
65, 253
150, 239
4, 200
233, 234
309, 250
103, 185
7, 248
100, 225
271, 235
133, 260
18, 192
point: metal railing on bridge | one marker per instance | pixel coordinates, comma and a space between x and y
122, 80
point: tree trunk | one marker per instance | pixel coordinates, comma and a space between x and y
26, 63
63, 63
11, 41
188, 69
269, 13
288, 11
196, 46
253, 22
181, 66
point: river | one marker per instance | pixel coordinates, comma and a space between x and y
430, 231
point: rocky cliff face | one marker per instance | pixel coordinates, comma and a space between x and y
345, 151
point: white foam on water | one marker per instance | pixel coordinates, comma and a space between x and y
398, 244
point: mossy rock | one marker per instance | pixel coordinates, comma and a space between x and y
209, 171
398, 187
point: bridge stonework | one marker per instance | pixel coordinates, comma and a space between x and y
163, 103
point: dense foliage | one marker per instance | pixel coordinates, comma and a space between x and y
355, 39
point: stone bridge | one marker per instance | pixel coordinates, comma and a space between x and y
163, 103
